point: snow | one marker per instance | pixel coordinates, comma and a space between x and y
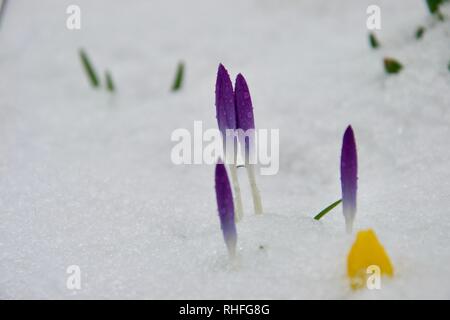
86, 177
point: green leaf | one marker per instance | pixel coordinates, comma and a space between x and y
89, 69
373, 41
327, 209
177, 83
392, 66
109, 82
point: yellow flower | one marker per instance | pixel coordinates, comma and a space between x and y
366, 257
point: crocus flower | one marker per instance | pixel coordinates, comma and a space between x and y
226, 120
349, 172
246, 122
366, 253
244, 106
244, 113
226, 208
225, 110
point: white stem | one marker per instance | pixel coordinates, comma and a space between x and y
255, 192
238, 212
349, 225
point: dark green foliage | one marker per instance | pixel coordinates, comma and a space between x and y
392, 66
419, 32
327, 209
374, 43
433, 5
178, 82
434, 8
89, 69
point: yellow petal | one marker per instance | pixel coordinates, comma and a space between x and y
366, 252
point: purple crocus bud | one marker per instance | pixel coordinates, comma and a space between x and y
226, 208
244, 114
225, 110
244, 106
349, 172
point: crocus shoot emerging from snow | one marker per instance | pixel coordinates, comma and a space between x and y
110, 86
419, 32
89, 69
373, 41
246, 122
226, 208
226, 120
349, 172
434, 8
392, 66
178, 81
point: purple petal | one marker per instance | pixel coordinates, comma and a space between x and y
225, 110
244, 116
349, 172
244, 107
226, 208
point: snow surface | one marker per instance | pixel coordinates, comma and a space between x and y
86, 177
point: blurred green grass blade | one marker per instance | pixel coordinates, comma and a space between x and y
419, 32
110, 86
373, 41
327, 209
178, 82
89, 69
2, 9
